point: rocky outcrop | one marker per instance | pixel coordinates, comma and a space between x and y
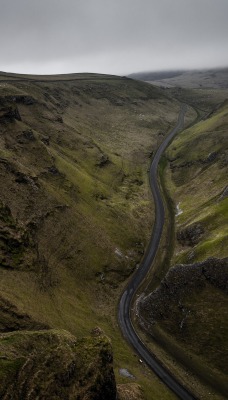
26, 136
224, 194
209, 159
179, 282
55, 365
39, 363
9, 109
223, 162
23, 99
15, 242
9, 114
190, 235
187, 313
103, 161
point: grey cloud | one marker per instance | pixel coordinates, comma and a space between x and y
112, 36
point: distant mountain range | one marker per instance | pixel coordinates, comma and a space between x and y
207, 78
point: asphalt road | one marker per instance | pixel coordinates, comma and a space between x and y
124, 318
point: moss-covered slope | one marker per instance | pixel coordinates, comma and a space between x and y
199, 166
55, 365
76, 210
187, 313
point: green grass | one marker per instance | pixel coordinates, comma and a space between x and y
198, 186
82, 215
194, 355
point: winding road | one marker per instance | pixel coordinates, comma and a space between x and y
124, 317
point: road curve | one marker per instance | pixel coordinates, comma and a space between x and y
124, 318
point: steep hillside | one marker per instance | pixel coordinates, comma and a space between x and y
75, 211
188, 310
198, 180
55, 365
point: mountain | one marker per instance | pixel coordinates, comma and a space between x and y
187, 309
207, 78
76, 215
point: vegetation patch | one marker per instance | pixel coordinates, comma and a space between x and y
54, 364
186, 313
73, 172
182, 306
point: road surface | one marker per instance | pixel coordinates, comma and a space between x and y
124, 318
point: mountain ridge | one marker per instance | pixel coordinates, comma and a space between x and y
205, 78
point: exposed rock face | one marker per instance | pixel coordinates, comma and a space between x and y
211, 157
224, 194
26, 137
8, 107
181, 280
191, 235
9, 114
14, 241
23, 99
189, 311
46, 140
55, 365
224, 159
103, 161
97, 331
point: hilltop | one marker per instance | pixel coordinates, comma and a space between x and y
216, 78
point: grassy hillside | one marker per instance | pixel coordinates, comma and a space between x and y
76, 211
187, 313
54, 365
198, 173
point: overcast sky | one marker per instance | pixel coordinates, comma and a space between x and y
112, 36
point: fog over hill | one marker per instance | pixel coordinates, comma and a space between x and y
49, 37
207, 78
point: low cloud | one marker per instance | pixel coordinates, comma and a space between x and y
112, 37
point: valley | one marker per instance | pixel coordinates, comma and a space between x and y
76, 215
